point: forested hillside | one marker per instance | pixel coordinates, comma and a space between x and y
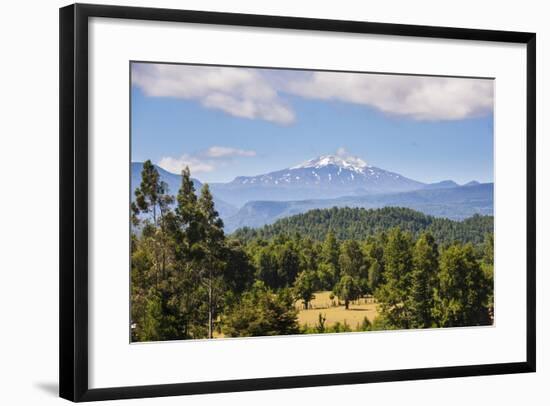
190, 281
358, 224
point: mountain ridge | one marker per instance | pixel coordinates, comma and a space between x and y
326, 181
454, 203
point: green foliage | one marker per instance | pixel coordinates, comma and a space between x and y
347, 289
423, 279
239, 273
289, 264
188, 280
395, 291
304, 286
461, 295
331, 252
320, 326
351, 260
358, 224
365, 325
488, 269
375, 275
340, 327
261, 312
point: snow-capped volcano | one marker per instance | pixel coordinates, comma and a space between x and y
334, 172
322, 177
348, 162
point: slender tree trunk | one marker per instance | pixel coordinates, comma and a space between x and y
210, 321
347, 304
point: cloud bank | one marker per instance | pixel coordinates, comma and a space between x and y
417, 97
260, 93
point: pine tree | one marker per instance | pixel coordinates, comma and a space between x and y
261, 312
266, 265
289, 264
352, 263
375, 276
461, 295
423, 278
212, 247
152, 194
395, 291
331, 252
151, 257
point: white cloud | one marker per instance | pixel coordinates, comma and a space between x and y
341, 152
176, 165
237, 91
227, 152
204, 161
420, 98
259, 93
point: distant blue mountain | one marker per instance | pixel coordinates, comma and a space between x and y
455, 203
174, 181
444, 184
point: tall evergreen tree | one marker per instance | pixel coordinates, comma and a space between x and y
331, 251
212, 247
152, 199
187, 208
423, 279
395, 291
375, 275
152, 194
266, 265
289, 264
461, 295
352, 263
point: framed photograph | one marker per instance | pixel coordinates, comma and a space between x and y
258, 202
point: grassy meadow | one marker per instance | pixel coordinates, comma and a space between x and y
326, 304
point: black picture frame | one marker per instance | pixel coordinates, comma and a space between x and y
73, 333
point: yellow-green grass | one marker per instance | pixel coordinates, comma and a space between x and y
329, 308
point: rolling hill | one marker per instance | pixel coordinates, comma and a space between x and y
359, 223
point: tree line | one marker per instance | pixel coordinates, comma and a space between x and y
359, 223
189, 280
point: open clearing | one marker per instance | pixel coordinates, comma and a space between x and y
322, 304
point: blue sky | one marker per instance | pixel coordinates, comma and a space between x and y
228, 122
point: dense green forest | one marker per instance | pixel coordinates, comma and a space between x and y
189, 280
358, 224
